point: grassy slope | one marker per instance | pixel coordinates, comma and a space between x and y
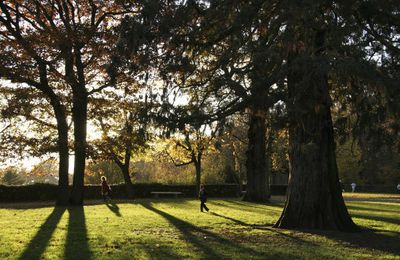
176, 229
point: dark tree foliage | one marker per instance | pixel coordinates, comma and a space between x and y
222, 55
366, 83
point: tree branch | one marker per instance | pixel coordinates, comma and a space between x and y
178, 164
99, 89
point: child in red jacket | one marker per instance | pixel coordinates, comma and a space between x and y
105, 189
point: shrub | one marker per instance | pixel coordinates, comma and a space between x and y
39, 192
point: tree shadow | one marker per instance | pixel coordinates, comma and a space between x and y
76, 246
114, 208
265, 227
367, 238
38, 244
27, 205
395, 221
241, 204
242, 223
367, 208
201, 238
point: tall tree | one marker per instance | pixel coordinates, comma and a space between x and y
314, 198
60, 47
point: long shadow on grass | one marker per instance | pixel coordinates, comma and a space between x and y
371, 208
114, 208
40, 241
195, 236
365, 239
265, 227
76, 246
242, 223
255, 204
395, 221
238, 205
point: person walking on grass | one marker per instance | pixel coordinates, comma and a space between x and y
203, 198
105, 189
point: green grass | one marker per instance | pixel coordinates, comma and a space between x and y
174, 228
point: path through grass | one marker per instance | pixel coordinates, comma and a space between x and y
174, 228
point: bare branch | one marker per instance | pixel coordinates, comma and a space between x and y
40, 121
178, 164
95, 90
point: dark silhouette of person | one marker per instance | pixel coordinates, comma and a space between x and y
203, 198
341, 185
105, 189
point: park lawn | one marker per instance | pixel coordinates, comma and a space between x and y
372, 196
174, 228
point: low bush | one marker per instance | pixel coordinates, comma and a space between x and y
141, 190
43, 192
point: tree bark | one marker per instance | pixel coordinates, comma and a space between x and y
62, 131
62, 142
79, 114
257, 188
128, 181
314, 198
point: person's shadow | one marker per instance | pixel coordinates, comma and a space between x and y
114, 208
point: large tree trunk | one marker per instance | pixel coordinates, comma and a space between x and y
314, 198
62, 128
128, 182
257, 188
127, 159
62, 142
79, 114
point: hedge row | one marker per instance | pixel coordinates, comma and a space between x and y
44, 192
39, 192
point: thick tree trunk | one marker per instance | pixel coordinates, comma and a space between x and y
79, 114
314, 198
127, 179
127, 159
257, 188
62, 129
